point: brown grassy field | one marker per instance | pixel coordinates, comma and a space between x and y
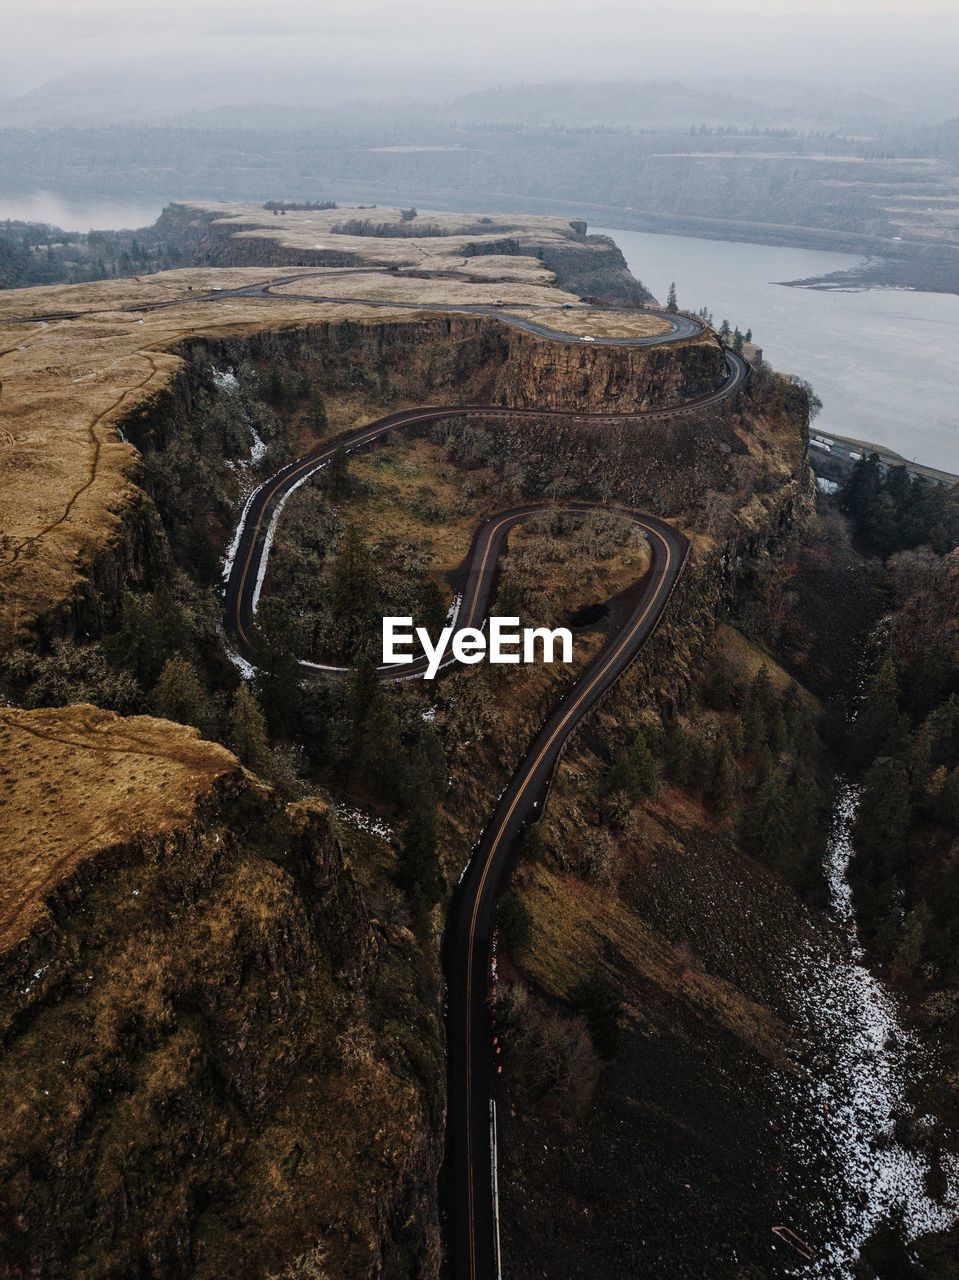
526, 283
76, 781
599, 324
314, 230
65, 384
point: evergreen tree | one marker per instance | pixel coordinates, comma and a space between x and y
246, 730
885, 812
778, 732
725, 789
318, 413
276, 388
672, 303
764, 829
677, 753
418, 871
632, 772
430, 609
597, 1000
338, 475
382, 758
276, 642
909, 948
179, 695
699, 771
354, 596
880, 727
756, 710
947, 801
363, 691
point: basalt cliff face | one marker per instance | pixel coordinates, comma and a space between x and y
384, 363
197, 1077
464, 360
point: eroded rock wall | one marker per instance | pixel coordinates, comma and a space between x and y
197, 1077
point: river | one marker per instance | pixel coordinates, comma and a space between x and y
79, 213
884, 362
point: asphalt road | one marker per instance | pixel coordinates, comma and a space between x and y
680, 327
473, 1200
474, 1223
246, 565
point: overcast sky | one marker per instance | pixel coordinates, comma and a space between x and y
443, 46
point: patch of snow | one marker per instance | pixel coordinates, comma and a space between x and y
246, 669
826, 486
258, 450
429, 715
234, 545
271, 530
866, 1061
225, 380
364, 822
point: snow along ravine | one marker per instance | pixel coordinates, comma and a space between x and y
866, 1061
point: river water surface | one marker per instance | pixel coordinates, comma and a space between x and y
885, 362
79, 213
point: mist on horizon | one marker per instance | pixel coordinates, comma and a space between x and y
100, 62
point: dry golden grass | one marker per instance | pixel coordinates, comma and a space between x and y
600, 324
63, 468
130, 291
66, 384
743, 660
312, 231
575, 570
524, 286
78, 780
395, 479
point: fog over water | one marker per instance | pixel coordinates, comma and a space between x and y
78, 213
884, 362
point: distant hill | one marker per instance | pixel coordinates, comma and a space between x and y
675, 104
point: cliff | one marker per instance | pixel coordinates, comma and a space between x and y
79, 362
197, 1071
234, 235
221, 1043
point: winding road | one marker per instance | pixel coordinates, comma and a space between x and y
679, 327
471, 1162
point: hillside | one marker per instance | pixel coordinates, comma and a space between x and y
225, 897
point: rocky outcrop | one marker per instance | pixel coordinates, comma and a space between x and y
203, 240
197, 1078
435, 359
591, 266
